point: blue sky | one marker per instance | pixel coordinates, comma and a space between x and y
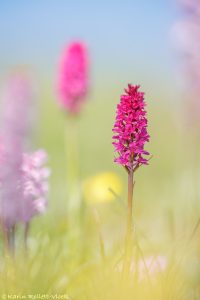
122, 35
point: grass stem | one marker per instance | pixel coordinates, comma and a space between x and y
128, 238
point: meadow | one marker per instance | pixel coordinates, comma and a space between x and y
65, 253
75, 243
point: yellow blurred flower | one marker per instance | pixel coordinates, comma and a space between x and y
103, 187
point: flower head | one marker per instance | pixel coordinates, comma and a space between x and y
31, 182
186, 35
191, 6
147, 267
73, 77
23, 177
130, 129
34, 184
151, 266
14, 128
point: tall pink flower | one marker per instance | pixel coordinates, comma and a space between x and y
190, 6
130, 129
73, 77
14, 127
131, 134
23, 177
186, 33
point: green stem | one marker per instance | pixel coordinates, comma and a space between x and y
12, 240
127, 259
130, 204
26, 232
101, 241
72, 157
8, 239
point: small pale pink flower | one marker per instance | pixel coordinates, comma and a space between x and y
34, 184
149, 266
73, 77
130, 129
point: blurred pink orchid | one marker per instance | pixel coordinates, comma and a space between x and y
34, 184
73, 77
186, 34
